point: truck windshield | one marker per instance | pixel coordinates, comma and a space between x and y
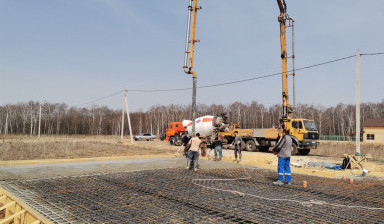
310, 126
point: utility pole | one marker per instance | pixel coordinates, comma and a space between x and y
31, 120
6, 123
129, 119
358, 103
122, 119
39, 121
189, 53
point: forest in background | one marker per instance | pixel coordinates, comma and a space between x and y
59, 118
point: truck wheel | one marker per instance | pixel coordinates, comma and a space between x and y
263, 148
304, 151
251, 146
243, 145
294, 149
172, 140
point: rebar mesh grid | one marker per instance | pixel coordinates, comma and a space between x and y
206, 196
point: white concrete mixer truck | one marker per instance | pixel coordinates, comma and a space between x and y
208, 125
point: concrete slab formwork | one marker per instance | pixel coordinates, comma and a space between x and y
175, 195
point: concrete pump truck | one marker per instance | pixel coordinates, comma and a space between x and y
303, 131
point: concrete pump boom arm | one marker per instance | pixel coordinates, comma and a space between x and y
282, 6
283, 41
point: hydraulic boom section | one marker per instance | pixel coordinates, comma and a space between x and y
190, 39
283, 17
190, 52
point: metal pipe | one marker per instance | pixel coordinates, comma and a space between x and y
190, 9
293, 61
194, 105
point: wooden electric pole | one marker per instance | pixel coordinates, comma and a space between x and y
358, 103
125, 103
122, 119
39, 121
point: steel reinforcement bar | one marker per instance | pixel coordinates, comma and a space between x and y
206, 196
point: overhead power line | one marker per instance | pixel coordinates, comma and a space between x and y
158, 90
251, 79
103, 98
370, 54
242, 80
229, 83
324, 63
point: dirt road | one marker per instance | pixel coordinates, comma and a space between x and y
72, 155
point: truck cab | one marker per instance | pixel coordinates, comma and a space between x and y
174, 131
304, 134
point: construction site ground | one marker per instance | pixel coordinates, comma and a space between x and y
155, 188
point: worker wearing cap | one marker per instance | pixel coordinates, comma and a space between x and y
193, 153
283, 152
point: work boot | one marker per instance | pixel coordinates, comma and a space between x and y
188, 165
278, 183
195, 167
288, 183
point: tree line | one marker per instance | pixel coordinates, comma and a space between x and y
59, 118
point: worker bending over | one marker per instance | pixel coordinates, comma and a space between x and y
193, 153
217, 146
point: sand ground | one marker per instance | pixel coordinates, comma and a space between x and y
167, 156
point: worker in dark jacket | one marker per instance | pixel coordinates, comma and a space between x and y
185, 139
237, 142
217, 146
283, 152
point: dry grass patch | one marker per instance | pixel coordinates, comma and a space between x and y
68, 147
338, 149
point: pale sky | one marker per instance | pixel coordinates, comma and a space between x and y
76, 51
